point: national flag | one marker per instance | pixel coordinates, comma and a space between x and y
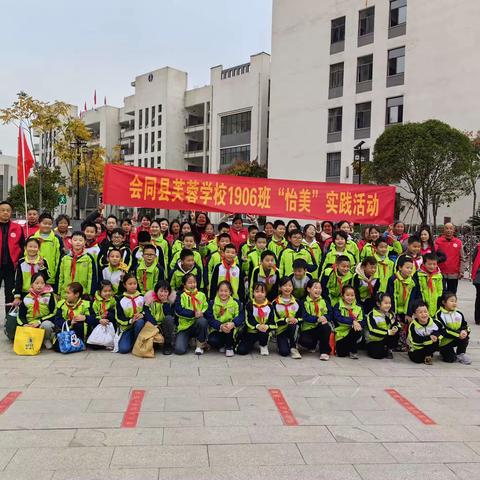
95, 97
25, 159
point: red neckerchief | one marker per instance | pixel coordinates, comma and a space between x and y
36, 302
370, 285
339, 280
104, 308
261, 313
279, 243
134, 303
227, 268
193, 298
402, 281
351, 314
74, 263
317, 308
32, 266
71, 309
416, 260
429, 277
285, 305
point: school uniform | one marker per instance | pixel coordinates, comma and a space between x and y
24, 273
65, 313
403, 292
219, 313
331, 257
270, 280
451, 344
417, 261
369, 250
125, 252
290, 254
137, 255
162, 244
254, 259
299, 285
316, 252
277, 247
312, 331
164, 318
385, 269
346, 338
148, 276
77, 268
332, 285
430, 287
230, 273
51, 249
177, 274
196, 256
377, 336
113, 275
101, 307
94, 249
420, 343
256, 315
284, 309
366, 289
245, 249
188, 326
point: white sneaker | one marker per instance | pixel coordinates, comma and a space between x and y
264, 350
464, 359
294, 353
325, 357
229, 352
221, 349
199, 351
353, 356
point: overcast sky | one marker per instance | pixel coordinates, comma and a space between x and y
62, 50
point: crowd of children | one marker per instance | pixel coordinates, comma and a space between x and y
308, 289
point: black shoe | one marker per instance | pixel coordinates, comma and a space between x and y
389, 354
167, 350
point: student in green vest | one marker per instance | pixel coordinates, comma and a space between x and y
225, 315
37, 308
212, 245
185, 265
104, 302
278, 243
118, 242
76, 312
403, 290
77, 267
429, 280
385, 266
266, 273
190, 308
288, 316
248, 247
352, 247
259, 322
254, 257
148, 271
28, 266
229, 271
348, 320
315, 328
300, 277
144, 238
294, 251
334, 278
188, 243
51, 246
160, 308
215, 258
456, 332
424, 334
130, 314
414, 246
366, 283
115, 270
338, 248
160, 242
369, 249
383, 331
177, 246
91, 245
311, 244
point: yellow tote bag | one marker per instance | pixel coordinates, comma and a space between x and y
28, 340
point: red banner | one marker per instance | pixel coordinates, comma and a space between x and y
176, 190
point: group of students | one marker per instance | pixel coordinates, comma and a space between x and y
311, 288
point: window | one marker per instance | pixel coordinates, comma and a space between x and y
140, 117
145, 162
229, 156
335, 120
336, 75
365, 69
140, 143
394, 110
334, 163
366, 21
159, 109
398, 12
146, 142
159, 134
338, 30
362, 120
152, 141
139, 162
159, 120
152, 162
236, 124
159, 145
159, 162
153, 116
146, 117
396, 61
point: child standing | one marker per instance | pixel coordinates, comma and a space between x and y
266, 273
254, 257
334, 278
315, 329
259, 322
91, 245
429, 280
287, 316
184, 266
225, 314
311, 244
38, 308
385, 266
115, 269
300, 277
228, 271
348, 319
414, 246
190, 308
295, 250
455, 331
248, 247
366, 283
148, 271
382, 329
278, 243
338, 248
423, 335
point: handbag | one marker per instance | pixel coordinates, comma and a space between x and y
102, 335
68, 342
11, 323
143, 346
28, 340
116, 340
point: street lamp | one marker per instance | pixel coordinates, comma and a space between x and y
358, 158
78, 145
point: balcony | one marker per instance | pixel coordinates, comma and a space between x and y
194, 153
195, 128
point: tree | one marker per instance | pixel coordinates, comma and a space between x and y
426, 160
52, 179
244, 168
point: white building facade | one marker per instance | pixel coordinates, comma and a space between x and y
344, 70
8, 174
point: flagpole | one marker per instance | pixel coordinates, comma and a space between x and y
24, 177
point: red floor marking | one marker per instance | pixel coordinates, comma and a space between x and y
282, 405
405, 403
132, 412
7, 400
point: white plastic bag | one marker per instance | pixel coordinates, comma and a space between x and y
103, 336
116, 340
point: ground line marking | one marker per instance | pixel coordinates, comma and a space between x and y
410, 407
130, 417
7, 401
282, 406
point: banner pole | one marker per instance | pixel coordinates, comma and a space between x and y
22, 138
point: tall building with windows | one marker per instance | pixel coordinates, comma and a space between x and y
344, 70
8, 174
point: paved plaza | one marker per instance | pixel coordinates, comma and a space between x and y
215, 418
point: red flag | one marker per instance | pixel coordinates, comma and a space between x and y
95, 97
24, 158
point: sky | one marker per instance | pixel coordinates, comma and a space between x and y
63, 50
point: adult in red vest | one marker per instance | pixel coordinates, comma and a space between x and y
12, 242
454, 265
238, 233
32, 223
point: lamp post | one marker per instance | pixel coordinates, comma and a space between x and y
358, 158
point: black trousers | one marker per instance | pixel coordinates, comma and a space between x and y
286, 340
221, 339
7, 277
418, 356
379, 349
320, 335
448, 352
451, 285
348, 344
477, 304
248, 341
